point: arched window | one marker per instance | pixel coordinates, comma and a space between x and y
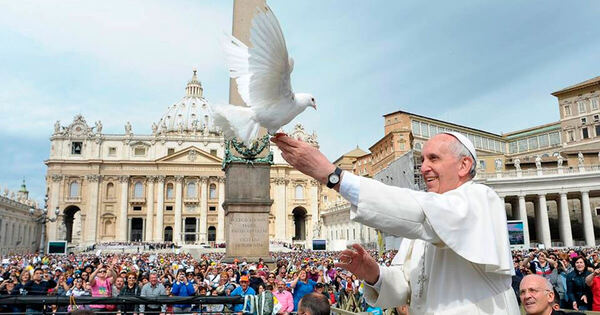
169, 191
299, 192
191, 190
212, 191
74, 189
110, 191
212, 233
138, 190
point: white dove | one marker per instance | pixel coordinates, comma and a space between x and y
262, 74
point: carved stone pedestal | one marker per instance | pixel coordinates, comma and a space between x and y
247, 206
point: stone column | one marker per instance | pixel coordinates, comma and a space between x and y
160, 207
122, 235
203, 208
53, 203
314, 211
544, 223
221, 212
91, 218
178, 209
564, 221
281, 206
150, 208
588, 223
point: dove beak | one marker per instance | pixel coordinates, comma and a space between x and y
314, 106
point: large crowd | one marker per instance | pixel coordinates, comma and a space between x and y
573, 273
277, 286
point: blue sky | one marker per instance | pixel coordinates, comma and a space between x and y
486, 64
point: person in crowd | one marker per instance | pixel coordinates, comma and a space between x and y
593, 281
264, 301
101, 286
579, 293
314, 304
539, 263
78, 290
118, 286
243, 290
131, 288
302, 286
285, 298
38, 286
153, 289
255, 280
182, 287
536, 295
469, 219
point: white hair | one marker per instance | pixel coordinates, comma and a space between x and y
461, 151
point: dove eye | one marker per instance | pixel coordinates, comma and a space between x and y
312, 99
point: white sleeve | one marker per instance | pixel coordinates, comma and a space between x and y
390, 209
390, 290
349, 187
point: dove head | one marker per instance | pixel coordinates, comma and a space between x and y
306, 100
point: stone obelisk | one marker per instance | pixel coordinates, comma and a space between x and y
247, 186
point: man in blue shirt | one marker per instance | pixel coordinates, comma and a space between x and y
182, 288
243, 290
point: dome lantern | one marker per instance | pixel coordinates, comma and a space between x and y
194, 87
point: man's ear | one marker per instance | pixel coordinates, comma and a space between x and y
465, 166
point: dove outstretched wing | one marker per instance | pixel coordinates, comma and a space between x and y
262, 73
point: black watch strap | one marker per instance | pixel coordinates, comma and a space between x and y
337, 172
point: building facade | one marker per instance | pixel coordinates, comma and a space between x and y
548, 175
163, 186
19, 228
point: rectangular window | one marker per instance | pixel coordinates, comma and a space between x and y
213, 152
481, 164
212, 208
76, 147
137, 208
170, 151
594, 102
570, 135
584, 133
169, 208
139, 151
478, 142
597, 130
543, 140
567, 110
533, 143
425, 129
581, 107
434, 130
512, 147
416, 128
554, 138
523, 145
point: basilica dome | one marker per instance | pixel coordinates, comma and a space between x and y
191, 114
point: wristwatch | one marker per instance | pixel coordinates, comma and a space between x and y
334, 178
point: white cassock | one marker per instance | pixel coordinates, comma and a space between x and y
455, 258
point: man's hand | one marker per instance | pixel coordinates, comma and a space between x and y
575, 306
359, 262
304, 157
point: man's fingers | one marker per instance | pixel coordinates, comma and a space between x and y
359, 249
286, 140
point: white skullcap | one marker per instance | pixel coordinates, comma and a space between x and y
466, 142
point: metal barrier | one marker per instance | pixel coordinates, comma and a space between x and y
25, 301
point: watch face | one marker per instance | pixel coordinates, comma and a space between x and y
334, 178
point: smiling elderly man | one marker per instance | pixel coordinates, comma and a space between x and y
455, 258
538, 296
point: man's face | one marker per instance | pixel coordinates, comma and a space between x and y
244, 285
441, 167
37, 275
280, 286
153, 279
535, 297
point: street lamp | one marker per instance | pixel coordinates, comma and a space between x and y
43, 219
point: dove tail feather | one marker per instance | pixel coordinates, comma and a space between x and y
236, 121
